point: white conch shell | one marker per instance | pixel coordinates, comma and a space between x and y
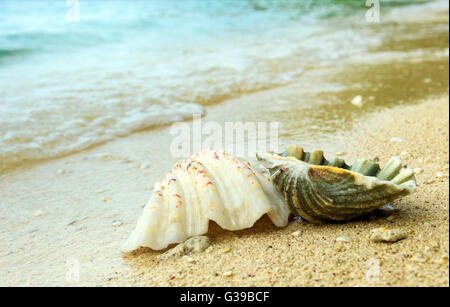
209, 186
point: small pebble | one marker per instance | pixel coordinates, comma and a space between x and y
296, 233
397, 140
104, 199
227, 274
340, 153
357, 101
344, 239
192, 245
189, 259
40, 213
116, 223
197, 244
388, 235
99, 191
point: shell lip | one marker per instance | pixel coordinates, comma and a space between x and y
272, 160
410, 185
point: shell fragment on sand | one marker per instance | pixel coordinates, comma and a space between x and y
357, 101
397, 140
388, 235
40, 212
345, 239
193, 245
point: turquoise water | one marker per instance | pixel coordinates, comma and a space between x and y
129, 65
30, 27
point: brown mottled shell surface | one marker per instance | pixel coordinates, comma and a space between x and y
320, 190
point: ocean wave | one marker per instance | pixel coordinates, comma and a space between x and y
6, 53
91, 82
79, 132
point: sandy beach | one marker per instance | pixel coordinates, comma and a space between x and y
65, 217
64, 209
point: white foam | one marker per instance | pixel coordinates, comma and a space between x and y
43, 139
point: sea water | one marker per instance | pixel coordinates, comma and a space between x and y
77, 73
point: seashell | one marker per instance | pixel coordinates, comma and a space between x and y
320, 190
211, 185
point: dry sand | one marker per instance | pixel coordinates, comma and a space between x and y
61, 213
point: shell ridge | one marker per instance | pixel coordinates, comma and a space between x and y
309, 195
303, 203
216, 179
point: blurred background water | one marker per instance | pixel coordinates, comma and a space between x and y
131, 65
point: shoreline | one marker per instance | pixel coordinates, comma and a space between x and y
395, 71
309, 91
